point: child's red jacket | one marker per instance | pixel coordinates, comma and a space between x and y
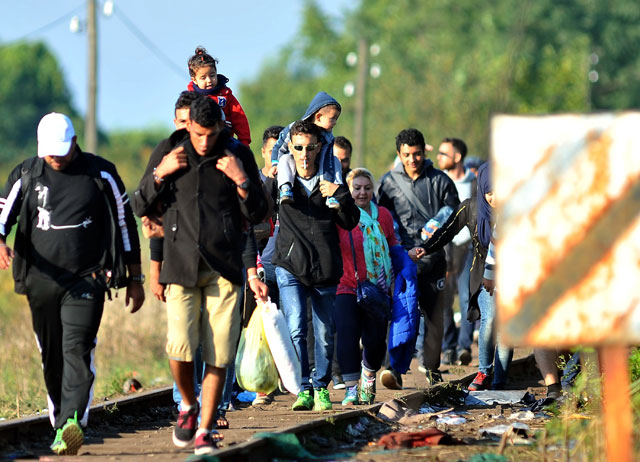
235, 117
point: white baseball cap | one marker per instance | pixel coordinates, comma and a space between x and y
55, 134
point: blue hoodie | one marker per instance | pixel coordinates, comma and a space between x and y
322, 99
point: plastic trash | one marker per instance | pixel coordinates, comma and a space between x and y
522, 415
451, 419
491, 397
436, 222
519, 428
246, 396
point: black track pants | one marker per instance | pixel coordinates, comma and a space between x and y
431, 284
65, 321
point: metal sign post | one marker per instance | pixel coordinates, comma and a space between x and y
568, 255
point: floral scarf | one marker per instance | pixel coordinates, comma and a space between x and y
376, 249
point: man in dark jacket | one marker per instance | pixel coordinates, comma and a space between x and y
414, 192
70, 207
210, 187
308, 261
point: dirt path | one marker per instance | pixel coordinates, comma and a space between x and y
148, 434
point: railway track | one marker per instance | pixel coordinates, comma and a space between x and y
139, 426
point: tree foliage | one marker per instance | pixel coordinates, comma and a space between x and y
31, 85
447, 66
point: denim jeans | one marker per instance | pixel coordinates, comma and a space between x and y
352, 325
487, 346
458, 278
293, 302
270, 281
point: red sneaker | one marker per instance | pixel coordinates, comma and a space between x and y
185, 430
205, 444
480, 382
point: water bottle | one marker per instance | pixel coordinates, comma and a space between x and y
260, 269
436, 222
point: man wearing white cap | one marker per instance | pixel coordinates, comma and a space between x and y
76, 237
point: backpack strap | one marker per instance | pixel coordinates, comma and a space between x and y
31, 168
410, 195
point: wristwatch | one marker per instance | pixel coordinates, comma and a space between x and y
137, 278
244, 185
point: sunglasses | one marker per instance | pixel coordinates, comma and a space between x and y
308, 147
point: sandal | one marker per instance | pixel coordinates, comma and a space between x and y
222, 422
216, 436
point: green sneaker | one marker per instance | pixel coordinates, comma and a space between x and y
304, 401
367, 391
321, 400
350, 396
69, 438
58, 446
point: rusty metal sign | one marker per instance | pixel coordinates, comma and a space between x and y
568, 222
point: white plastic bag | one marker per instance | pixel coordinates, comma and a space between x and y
281, 346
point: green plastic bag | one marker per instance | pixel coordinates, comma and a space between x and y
255, 368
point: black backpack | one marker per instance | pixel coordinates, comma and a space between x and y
112, 263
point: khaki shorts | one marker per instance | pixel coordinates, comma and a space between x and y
207, 315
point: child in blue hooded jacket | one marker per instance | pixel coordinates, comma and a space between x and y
323, 111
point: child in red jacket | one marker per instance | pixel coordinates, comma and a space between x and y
205, 80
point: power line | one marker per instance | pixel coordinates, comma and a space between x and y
55, 22
148, 43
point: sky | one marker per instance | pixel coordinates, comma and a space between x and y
136, 87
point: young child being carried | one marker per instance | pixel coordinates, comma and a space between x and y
324, 111
205, 80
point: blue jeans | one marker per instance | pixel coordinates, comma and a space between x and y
293, 302
487, 346
270, 281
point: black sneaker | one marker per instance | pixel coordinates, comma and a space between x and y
449, 357
185, 430
391, 379
464, 358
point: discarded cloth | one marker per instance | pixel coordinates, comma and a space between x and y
429, 437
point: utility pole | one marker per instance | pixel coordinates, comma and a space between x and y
91, 130
361, 91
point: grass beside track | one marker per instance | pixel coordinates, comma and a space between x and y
128, 345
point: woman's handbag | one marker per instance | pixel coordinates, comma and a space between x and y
371, 298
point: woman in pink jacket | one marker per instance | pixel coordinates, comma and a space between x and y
371, 241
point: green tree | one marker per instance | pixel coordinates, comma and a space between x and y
31, 85
447, 66
130, 151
